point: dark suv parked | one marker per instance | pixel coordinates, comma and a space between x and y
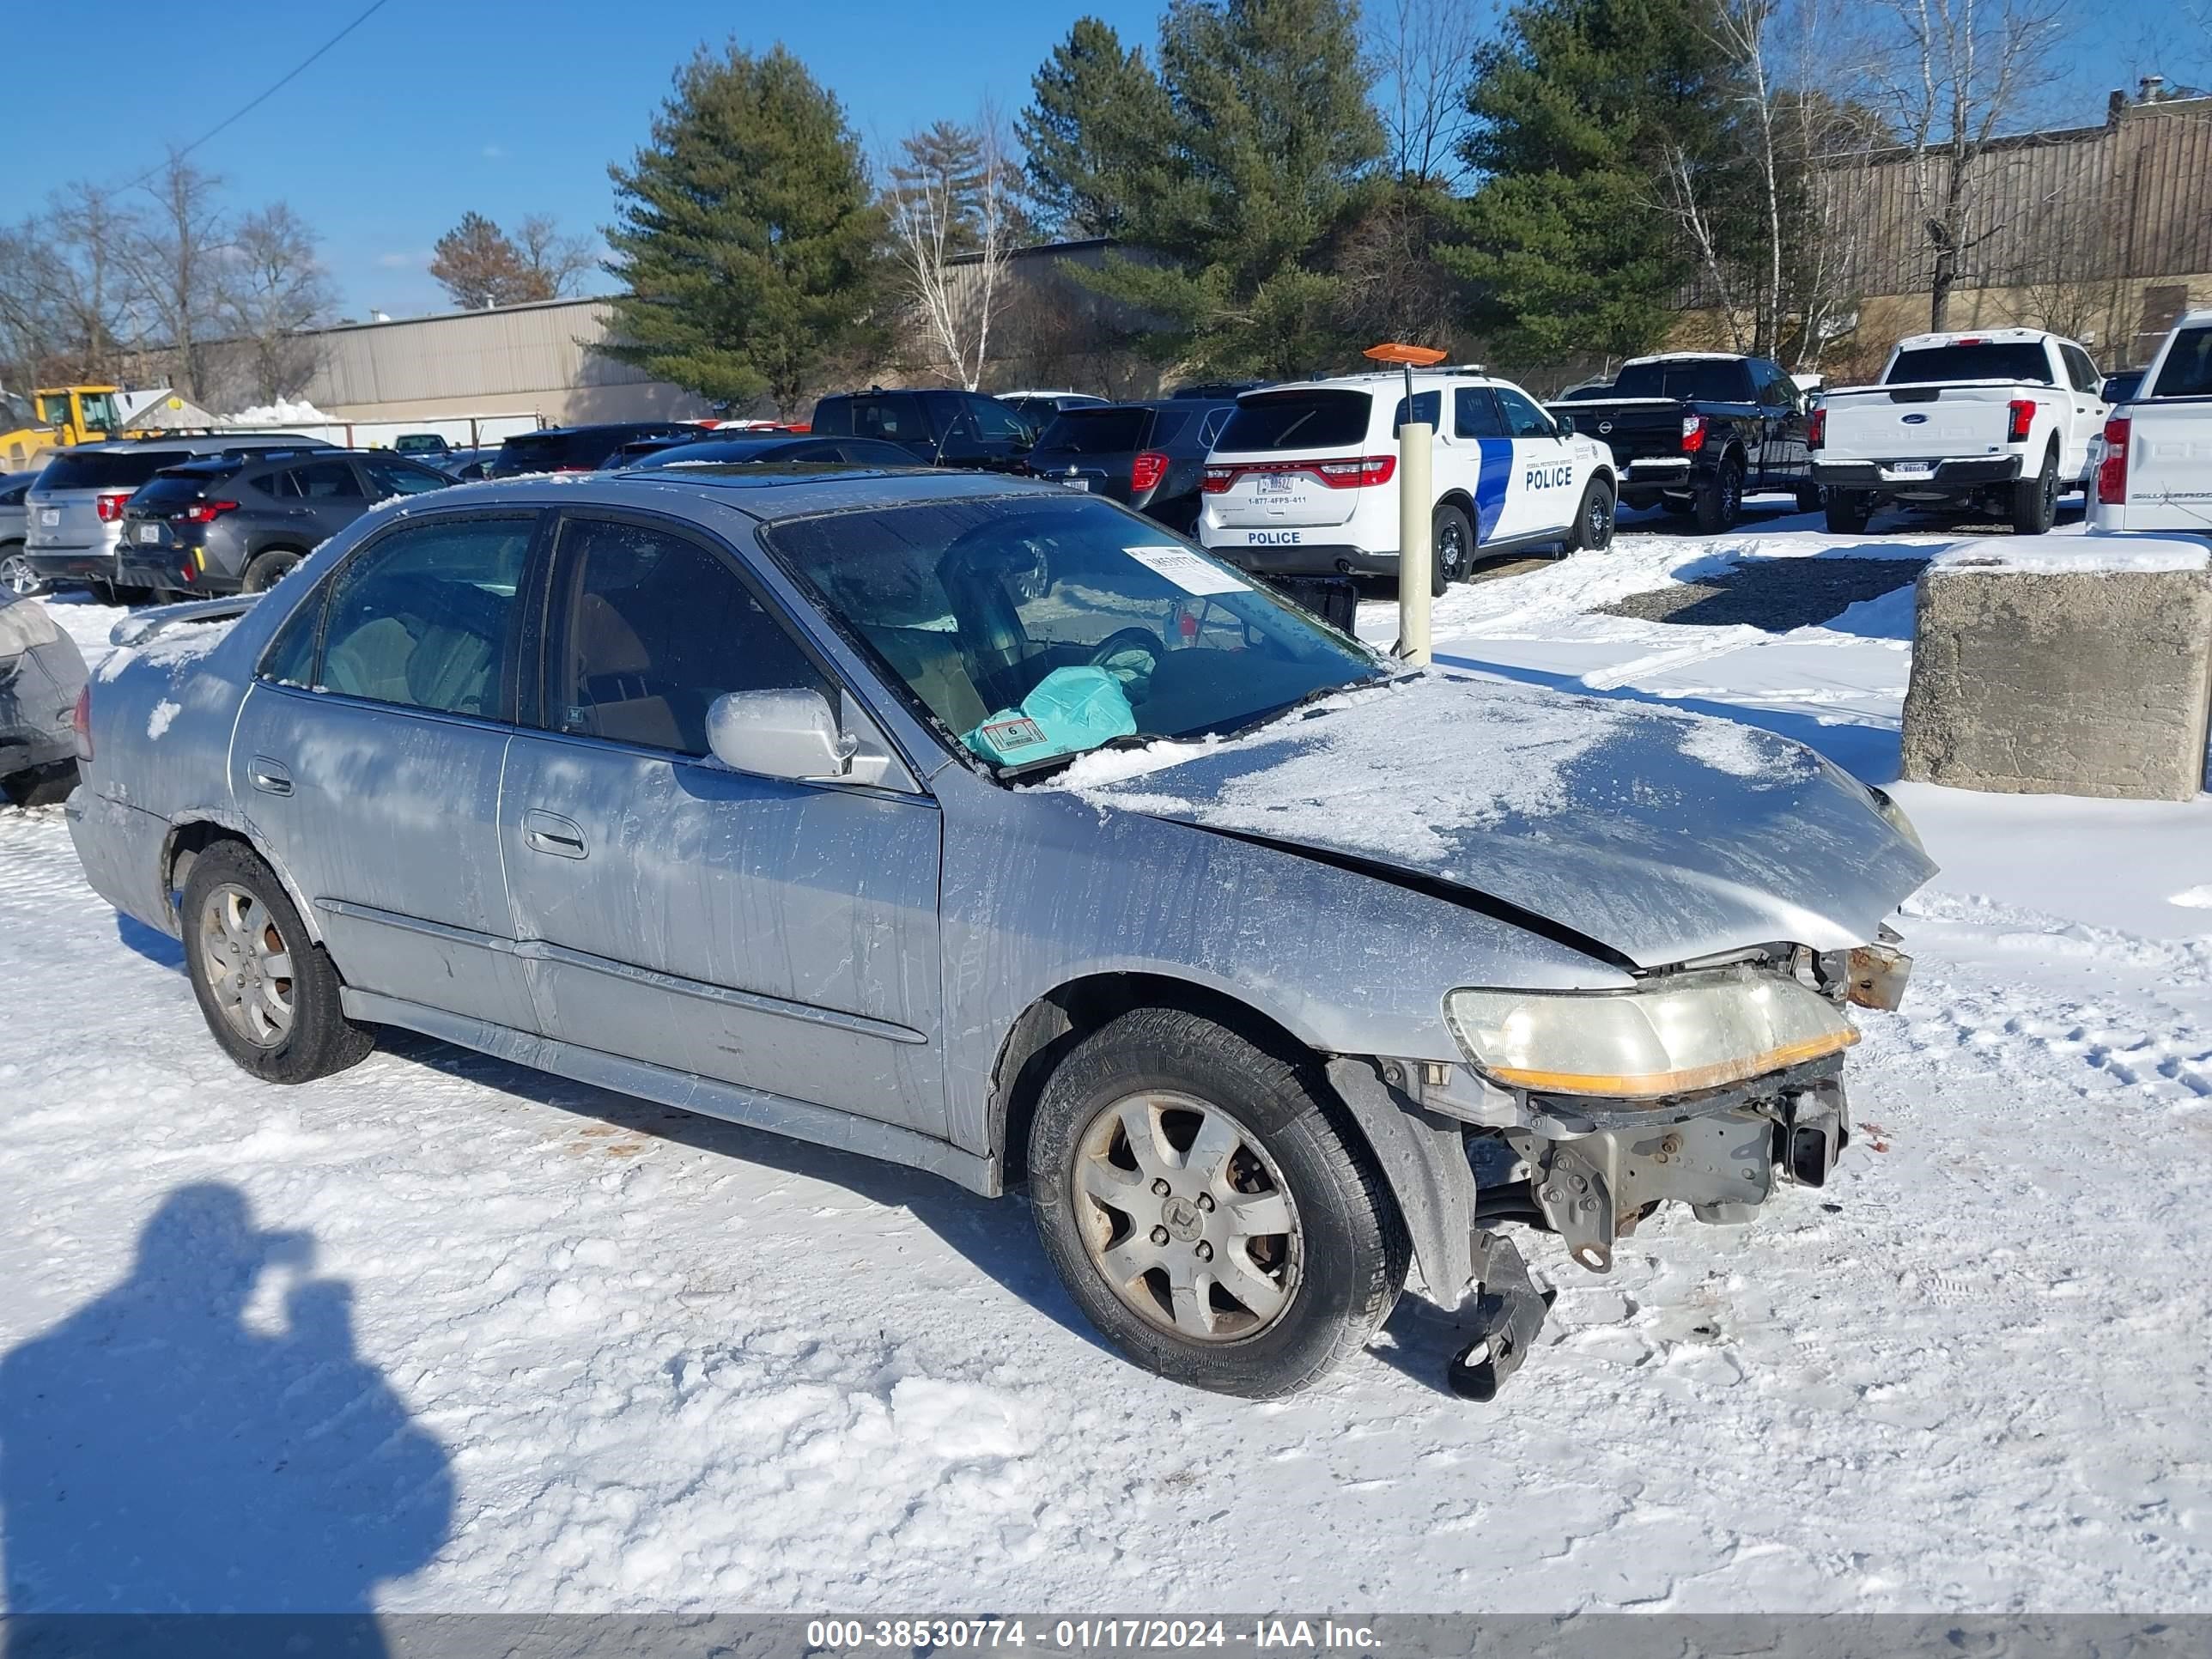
1151, 455
937, 428
230, 524
581, 448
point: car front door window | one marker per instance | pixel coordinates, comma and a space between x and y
655, 627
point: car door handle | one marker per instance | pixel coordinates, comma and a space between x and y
268, 776
549, 832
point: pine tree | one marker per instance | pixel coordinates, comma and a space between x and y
1235, 168
1093, 136
747, 235
1595, 120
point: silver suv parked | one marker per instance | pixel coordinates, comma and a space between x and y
75, 505
979, 825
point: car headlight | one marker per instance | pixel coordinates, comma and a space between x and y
1688, 1032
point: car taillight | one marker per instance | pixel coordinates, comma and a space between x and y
109, 504
81, 723
1367, 470
1816, 429
206, 512
2112, 470
1147, 469
2023, 416
1693, 433
1354, 472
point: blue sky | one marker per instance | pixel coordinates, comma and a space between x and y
435, 108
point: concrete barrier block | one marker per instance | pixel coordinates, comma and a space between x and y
2064, 665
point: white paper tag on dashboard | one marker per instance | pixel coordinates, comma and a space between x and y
1186, 570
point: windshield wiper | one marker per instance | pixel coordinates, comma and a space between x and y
1036, 769
1265, 716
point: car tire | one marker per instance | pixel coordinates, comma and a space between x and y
102, 592
1290, 1253
1848, 511
240, 926
2035, 500
1719, 501
1451, 549
265, 570
16, 575
1592, 529
1810, 498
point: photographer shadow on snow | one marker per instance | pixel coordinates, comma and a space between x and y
159, 1453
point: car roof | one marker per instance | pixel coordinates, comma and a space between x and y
1976, 335
213, 443
766, 493
1424, 379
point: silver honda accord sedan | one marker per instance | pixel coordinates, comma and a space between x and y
984, 827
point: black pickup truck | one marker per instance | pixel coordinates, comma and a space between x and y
1699, 430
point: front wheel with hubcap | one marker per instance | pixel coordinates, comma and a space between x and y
268, 993
1592, 529
16, 575
1209, 1206
1451, 549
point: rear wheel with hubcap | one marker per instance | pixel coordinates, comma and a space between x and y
1719, 501
1848, 511
1209, 1206
2035, 500
268, 993
267, 569
1451, 549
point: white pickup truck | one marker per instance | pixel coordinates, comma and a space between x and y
1998, 421
2153, 460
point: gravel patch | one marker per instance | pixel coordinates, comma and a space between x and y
1775, 594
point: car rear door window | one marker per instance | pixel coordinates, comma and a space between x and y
2187, 372
654, 627
424, 618
1474, 414
395, 477
893, 419
2083, 371
1428, 410
322, 481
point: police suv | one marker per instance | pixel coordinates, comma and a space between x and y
1303, 478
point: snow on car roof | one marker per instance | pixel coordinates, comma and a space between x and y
1973, 336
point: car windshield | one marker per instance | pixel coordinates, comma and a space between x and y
1983, 360
1692, 380
1033, 629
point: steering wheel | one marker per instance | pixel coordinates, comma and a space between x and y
1122, 641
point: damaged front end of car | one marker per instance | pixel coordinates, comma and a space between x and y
1580, 1113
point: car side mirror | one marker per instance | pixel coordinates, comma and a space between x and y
1566, 425
790, 733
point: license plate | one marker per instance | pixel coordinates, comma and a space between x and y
1278, 483
1913, 469
1083, 484
50, 516
149, 532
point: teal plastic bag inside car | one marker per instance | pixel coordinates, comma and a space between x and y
1072, 709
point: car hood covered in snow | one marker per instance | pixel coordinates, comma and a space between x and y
1662, 836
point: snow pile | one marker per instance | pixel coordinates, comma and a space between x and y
2075, 556
282, 412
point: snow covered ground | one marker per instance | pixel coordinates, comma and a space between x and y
493, 1341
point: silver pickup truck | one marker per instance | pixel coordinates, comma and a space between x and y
2153, 463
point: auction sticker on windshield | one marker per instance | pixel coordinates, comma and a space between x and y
1186, 570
